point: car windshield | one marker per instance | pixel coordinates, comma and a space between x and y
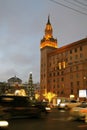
83, 105
64, 100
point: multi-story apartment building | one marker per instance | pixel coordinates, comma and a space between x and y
63, 70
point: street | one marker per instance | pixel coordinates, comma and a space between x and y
56, 120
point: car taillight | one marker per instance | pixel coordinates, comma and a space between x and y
83, 111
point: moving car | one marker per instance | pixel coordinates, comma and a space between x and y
3, 124
19, 107
44, 106
47, 106
68, 104
79, 112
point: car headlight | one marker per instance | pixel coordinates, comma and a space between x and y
4, 123
62, 104
48, 108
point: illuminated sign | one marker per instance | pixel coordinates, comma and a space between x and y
82, 93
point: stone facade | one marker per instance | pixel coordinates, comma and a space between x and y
63, 70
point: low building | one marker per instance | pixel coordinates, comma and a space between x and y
14, 80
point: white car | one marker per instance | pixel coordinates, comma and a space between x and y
68, 104
79, 112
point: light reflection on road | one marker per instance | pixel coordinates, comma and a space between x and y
82, 126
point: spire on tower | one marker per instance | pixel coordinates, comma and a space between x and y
48, 19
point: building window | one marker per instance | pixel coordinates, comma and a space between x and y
58, 79
57, 73
62, 73
71, 84
81, 55
70, 51
54, 74
75, 49
50, 74
62, 92
77, 67
64, 65
62, 79
66, 60
78, 83
71, 69
76, 56
70, 57
71, 91
77, 91
77, 75
60, 66
80, 48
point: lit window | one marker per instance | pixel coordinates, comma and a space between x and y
60, 65
64, 65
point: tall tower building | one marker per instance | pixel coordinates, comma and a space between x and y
47, 44
63, 70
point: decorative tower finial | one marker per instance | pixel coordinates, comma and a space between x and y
48, 19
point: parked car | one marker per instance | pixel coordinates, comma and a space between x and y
68, 104
19, 106
79, 112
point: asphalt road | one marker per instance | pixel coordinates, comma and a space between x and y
56, 120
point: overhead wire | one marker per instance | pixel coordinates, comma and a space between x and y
56, 2
75, 4
79, 2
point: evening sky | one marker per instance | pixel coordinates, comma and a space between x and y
22, 24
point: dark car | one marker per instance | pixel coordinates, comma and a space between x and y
3, 123
44, 106
18, 106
